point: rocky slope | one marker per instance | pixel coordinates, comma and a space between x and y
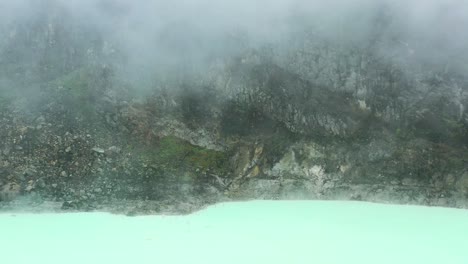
318, 120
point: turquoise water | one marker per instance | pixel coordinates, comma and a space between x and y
245, 232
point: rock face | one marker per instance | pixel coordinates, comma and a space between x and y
315, 120
304, 107
9, 191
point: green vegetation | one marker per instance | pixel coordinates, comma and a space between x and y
80, 83
173, 153
79, 89
76, 82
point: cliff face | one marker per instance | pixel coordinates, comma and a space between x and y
302, 118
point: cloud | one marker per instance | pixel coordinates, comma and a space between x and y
170, 33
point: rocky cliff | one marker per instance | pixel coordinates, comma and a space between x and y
306, 117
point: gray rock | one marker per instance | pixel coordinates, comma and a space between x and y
40, 183
98, 150
41, 120
6, 151
408, 182
113, 150
9, 191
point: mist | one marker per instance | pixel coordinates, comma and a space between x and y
151, 36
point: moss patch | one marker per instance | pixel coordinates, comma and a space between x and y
172, 153
81, 88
